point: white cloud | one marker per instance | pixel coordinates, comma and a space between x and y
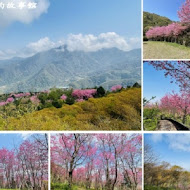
41, 45
7, 16
156, 138
6, 54
75, 42
93, 43
25, 136
134, 42
179, 142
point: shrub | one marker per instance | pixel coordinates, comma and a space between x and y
187, 42
57, 104
100, 91
70, 100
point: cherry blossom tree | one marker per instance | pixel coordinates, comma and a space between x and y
84, 94
71, 151
184, 12
107, 161
26, 166
176, 104
116, 88
163, 32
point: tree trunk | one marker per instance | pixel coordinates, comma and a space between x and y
184, 116
70, 178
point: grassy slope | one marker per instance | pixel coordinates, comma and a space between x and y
117, 111
165, 50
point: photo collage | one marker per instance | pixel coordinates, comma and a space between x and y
94, 95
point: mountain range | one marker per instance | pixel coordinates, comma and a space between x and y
59, 67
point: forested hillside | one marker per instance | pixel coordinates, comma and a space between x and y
59, 67
85, 109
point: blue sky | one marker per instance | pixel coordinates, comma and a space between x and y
156, 84
9, 141
63, 17
172, 148
166, 8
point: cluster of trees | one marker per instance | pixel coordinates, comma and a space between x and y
51, 98
25, 167
174, 32
96, 161
114, 111
18, 104
162, 175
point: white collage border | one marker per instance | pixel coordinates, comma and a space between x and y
142, 132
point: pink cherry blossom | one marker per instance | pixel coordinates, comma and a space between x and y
116, 87
84, 94
63, 97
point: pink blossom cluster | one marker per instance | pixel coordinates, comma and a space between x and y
176, 103
184, 12
34, 100
172, 30
20, 95
9, 100
79, 100
84, 94
63, 97
46, 91
116, 88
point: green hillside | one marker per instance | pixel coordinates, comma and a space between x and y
151, 20
115, 111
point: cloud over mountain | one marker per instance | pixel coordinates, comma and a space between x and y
74, 42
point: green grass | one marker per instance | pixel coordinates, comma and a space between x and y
150, 124
165, 50
158, 188
64, 186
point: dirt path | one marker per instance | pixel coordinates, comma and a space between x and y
165, 50
165, 125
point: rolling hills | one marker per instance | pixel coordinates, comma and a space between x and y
118, 110
77, 69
